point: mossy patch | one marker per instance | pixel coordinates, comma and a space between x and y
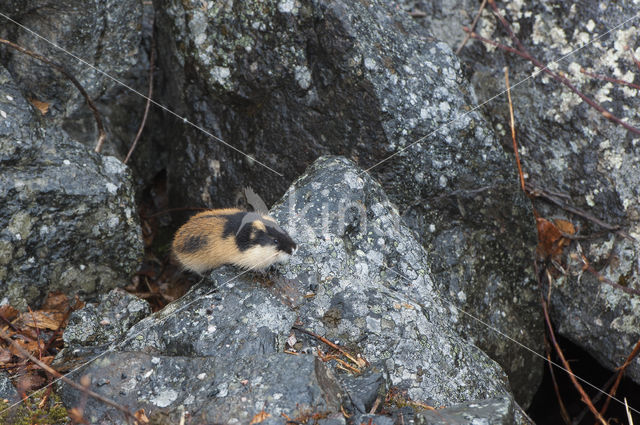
29, 412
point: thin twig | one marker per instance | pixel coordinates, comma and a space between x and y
633, 57
621, 369
583, 394
610, 79
596, 399
563, 410
329, 343
150, 93
513, 129
102, 135
601, 278
68, 381
558, 77
543, 68
543, 194
473, 27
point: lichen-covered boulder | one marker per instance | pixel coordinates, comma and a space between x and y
571, 153
105, 34
219, 351
289, 81
68, 219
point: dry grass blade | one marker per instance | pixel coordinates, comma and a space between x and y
473, 27
629, 418
152, 56
513, 130
585, 398
634, 353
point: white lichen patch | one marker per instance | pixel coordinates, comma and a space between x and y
113, 165
370, 64
549, 35
111, 188
221, 74
214, 166
20, 225
113, 222
198, 27
515, 8
603, 93
486, 27
577, 77
568, 101
288, 6
3, 113
353, 180
303, 77
165, 398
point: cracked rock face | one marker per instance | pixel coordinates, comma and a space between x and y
569, 149
109, 37
68, 220
218, 351
105, 34
375, 288
290, 81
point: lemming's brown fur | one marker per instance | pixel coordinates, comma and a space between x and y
200, 245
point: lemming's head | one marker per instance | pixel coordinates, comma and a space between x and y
263, 242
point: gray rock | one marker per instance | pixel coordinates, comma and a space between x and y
217, 351
371, 419
214, 353
106, 322
68, 220
289, 81
375, 287
8, 392
567, 147
169, 385
104, 34
363, 390
112, 36
497, 411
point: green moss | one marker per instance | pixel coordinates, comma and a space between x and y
29, 412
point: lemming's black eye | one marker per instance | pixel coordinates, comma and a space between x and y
275, 241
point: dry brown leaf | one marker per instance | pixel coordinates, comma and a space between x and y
259, 417
141, 417
5, 356
8, 312
77, 416
565, 226
29, 382
43, 107
15, 351
41, 319
56, 301
551, 241
34, 346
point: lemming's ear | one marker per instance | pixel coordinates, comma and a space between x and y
255, 201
